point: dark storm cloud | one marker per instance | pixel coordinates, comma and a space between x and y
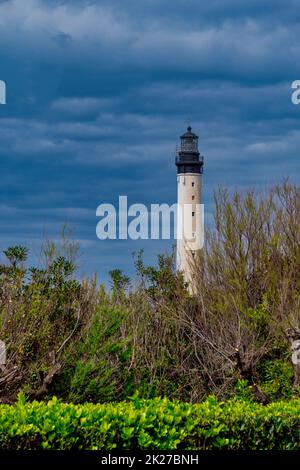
98, 93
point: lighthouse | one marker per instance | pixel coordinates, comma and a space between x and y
189, 164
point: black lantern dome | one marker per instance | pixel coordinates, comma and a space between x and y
188, 158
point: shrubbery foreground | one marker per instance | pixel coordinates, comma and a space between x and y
151, 424
79, 341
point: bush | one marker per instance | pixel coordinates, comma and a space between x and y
277, 378
237, 334
151, 424
96, 365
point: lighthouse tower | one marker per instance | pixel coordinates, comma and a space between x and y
189, 164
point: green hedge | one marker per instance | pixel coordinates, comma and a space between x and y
150, 424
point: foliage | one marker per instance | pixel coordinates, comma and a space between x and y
80, 341
151, 424
99, 358
277, 378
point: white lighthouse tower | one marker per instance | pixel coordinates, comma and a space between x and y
189, 164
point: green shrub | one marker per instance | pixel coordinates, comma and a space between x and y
95, 367
277, 378
79, 341
150, 424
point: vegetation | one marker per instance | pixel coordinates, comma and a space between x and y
235, 337
155, 424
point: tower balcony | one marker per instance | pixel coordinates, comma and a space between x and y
188, 159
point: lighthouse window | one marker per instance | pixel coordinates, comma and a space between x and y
193, 197
193, 184
193, 213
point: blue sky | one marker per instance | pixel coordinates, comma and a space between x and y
99, 91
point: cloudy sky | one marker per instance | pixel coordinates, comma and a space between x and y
99, 91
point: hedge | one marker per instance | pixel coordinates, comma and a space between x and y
159, 423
